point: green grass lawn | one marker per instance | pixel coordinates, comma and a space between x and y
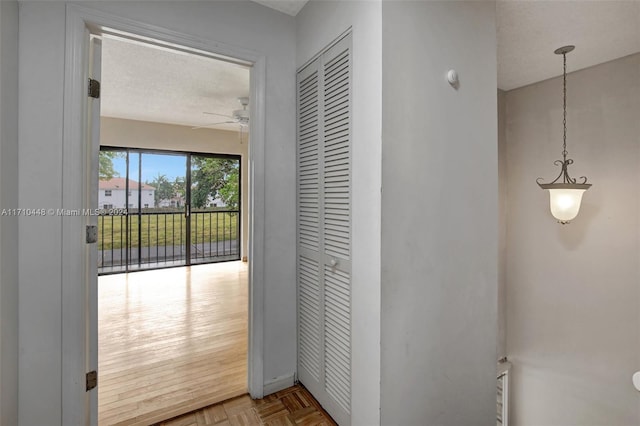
165, 229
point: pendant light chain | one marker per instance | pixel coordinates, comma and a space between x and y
564, 177
564, 107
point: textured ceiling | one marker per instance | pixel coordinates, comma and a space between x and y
147, 83
290, 7
529, 32
141, 82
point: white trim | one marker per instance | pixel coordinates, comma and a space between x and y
79, 21
257, 126
503, 367
503, 371
75, 363
322, 51
278, 383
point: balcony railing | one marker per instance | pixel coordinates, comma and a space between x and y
148, 240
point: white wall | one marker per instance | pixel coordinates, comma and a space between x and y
41, 50
573, 317
318, 24
41, 43
8, 224
439, 214
142, 134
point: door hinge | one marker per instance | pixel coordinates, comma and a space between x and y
93, 89
92, 234
91, 380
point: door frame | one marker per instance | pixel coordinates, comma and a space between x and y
78, 310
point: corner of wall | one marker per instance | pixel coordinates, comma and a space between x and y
278, 383
8, 224
502, 224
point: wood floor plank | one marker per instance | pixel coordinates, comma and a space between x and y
293, 406
171, 341
238, 405
214, 414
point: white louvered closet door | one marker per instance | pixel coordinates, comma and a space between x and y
324, 229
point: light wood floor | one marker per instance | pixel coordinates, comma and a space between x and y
170, 341
292, 406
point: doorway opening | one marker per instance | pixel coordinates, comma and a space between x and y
173, 194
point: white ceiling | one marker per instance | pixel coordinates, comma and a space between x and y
290, 7
147, 83
141, 82
529, 32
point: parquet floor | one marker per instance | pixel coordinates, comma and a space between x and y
170, 341
289, 407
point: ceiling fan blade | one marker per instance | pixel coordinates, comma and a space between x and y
215, 113
212, 124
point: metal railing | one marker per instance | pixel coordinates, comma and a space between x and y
148, 240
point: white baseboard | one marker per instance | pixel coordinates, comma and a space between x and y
278, 383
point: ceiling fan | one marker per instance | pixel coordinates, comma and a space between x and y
238, 116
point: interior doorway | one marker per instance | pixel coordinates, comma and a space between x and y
172, 340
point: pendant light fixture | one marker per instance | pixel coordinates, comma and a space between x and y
565, 195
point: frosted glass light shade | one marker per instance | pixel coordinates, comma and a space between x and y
565, 200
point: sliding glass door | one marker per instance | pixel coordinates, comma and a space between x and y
215, 208
160, 209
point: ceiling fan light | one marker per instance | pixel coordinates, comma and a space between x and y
241, 114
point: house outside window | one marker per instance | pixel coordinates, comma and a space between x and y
146, 206
114, 191
107, 206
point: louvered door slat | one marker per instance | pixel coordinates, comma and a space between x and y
336, 232
335, 97
309, 315
338, 202
337, 151
339, 108
335, 243
308, 163
337, 325
310, 324
337, 154
336, 128
336, 69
